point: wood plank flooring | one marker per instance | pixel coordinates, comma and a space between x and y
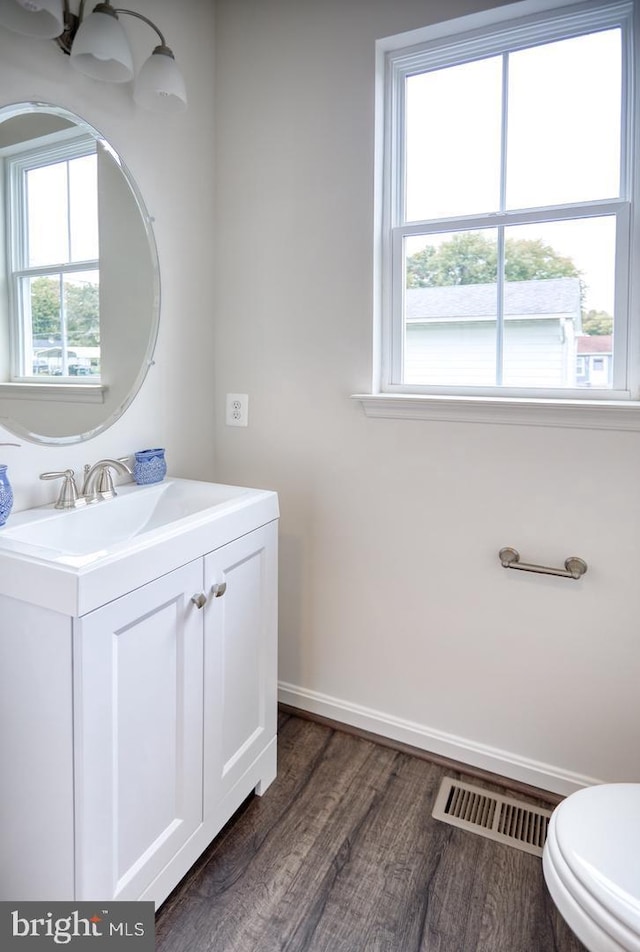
341, 854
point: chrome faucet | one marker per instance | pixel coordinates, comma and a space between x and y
68, 497
98, 481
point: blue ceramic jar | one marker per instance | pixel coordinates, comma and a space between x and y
149, 467
6, 495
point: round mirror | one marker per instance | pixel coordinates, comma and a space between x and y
79, 278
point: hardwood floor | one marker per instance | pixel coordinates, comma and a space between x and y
341, 854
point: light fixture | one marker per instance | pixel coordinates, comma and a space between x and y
98, 47
159, 84
41, 18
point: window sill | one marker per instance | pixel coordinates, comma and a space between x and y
582, 414
58, 392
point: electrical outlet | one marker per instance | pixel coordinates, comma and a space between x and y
237, 413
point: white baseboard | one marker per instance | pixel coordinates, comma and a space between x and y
503, 762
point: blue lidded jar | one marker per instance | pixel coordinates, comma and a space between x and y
6, 492
6, 495
149, 467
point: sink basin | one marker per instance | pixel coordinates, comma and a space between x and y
117, 544
80, 536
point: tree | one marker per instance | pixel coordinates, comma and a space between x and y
597, 322
468, 258
45, 308
83, 314
471, 258
531, 260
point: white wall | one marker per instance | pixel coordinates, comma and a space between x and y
171, 159
395, 612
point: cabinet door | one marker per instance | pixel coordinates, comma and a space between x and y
138, 722
240, 657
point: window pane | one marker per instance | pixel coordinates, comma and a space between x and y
557, 311
450, 309
559, 303
564, 121
83, 208
41, 308
62, 331
82, 313
48, 232
453, 140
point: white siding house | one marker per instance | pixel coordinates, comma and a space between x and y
451, 334
594, 361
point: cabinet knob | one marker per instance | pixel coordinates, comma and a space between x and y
218, 589
199, 600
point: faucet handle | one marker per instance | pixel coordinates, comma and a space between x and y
66, 474
68, 497
104, 485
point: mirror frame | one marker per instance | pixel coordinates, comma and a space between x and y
11, 111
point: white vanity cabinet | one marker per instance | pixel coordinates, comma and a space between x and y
140, 726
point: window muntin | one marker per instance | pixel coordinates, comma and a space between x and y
424, 206
52, 200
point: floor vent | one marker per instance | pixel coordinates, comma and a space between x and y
498, 818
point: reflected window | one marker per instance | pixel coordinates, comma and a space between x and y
53, 261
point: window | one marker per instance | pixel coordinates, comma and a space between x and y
53, 262
507, 212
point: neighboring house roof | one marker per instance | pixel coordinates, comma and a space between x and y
55, 352
594, 344
553, 297
40, 342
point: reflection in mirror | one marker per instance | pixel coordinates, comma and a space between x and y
54, 267
79, 280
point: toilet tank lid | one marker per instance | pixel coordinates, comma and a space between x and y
598, 833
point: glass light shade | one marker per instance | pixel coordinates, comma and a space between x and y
101, 49
160, 85
41, 18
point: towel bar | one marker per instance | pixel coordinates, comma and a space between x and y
573, 566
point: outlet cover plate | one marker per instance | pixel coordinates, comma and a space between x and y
237, 409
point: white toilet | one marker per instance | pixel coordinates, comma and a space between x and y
591, 864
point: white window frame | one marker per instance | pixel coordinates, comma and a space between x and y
18, 161
514, 26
